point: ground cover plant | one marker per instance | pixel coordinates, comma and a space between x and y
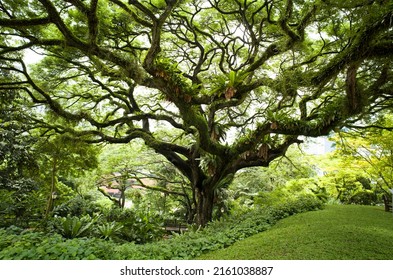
21, 244
349, 232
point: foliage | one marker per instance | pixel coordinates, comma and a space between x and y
345, 232
359, 169
111, 224
219, 234
19, 197
30, 164
273, 185
164, 191
131, 226
109, 230
63, 157
72, 227
77, 206
371, 150
21, 205
30, 245
72, 157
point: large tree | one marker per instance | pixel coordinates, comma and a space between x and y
237, 81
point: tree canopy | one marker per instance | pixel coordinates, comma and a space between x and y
234, 83
370, 150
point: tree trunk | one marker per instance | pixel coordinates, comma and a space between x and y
206, 195
122, 199
205, 204
50, 203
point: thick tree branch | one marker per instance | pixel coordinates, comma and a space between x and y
55, 18
133, 14
24, 22
360, 49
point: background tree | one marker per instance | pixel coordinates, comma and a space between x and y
287, 176
61, 158
368, 153
136, 165
18, 165
239, 81
345, 180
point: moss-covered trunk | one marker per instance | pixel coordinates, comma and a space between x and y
206, 196
205, 205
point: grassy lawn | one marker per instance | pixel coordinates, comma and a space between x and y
346, 232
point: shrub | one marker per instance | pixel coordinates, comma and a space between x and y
72, 227
77, 206
136, 227
110, 230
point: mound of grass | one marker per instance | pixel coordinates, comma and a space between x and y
345, 232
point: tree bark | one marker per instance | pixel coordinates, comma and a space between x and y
50, 204
122, 199
205, 204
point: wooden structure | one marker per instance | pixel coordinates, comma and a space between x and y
175, 226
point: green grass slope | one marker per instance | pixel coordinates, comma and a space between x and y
345, 232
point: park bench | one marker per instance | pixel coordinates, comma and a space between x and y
175, 226
387, 202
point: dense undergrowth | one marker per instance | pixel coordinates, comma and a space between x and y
23, 244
